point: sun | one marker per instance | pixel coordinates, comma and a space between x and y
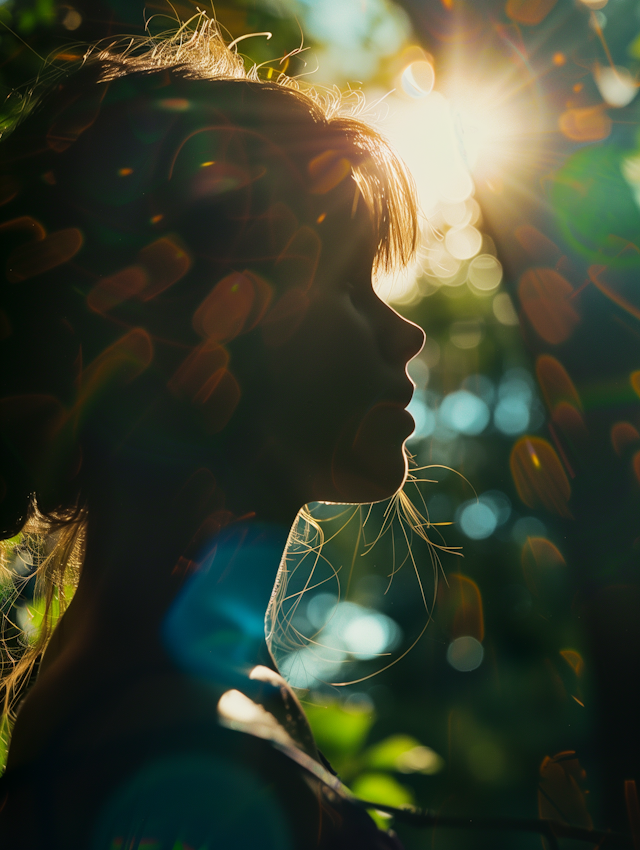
490, 135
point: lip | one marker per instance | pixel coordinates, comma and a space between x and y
410, 421
407, 414
401, 397
396, 415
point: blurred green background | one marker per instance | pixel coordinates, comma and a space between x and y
519, 121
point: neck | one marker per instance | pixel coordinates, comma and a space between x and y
163, 574
215, 627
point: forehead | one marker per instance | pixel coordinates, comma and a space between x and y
349, 225
342, 218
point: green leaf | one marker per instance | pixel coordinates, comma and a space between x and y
5, 735
384, 755
45, 11
26, 21
338, 731
402, 753
382, 788
12, 542
35, 612
634, 47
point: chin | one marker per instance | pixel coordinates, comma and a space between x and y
374, 482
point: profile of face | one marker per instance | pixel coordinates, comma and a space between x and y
327, 402
301, 394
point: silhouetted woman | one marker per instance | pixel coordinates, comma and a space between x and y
191, 351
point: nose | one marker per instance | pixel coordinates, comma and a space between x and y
403, 339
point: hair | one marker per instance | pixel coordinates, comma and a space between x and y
134, 107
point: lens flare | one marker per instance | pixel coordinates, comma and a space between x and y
235, 305
529, 12
9, 188
418, 79
485, 273
616, 85
545, 296
635, 463
38, 257
555, 383
539, 476
617, 286
460, 608
486, 128
117, 288
328, 170
539, 556
504, 311
463, 243
623, 435
574, 660
422, 131
561, 778
537, 245
120, 363
587, 124
465, 654
166, 261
